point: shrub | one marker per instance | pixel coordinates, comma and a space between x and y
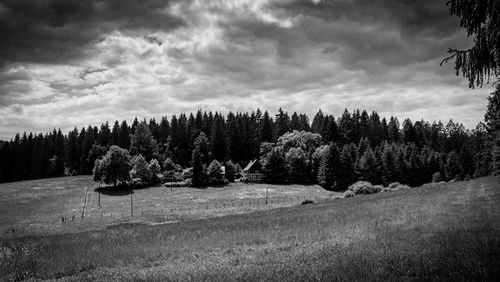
348, 194
154, 170
386, 189
184, 183
436, 177
306, 202
137, 183
214, 173
401, 187
364, 187
231, 171
393, 185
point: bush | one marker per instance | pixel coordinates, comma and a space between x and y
437, 177
184, 183
386, 189
214, 173
393, 185
230, 171
306, 202
154, 170
401, 187
348, 194
136, 183
364, 187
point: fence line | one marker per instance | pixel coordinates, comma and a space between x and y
141, 211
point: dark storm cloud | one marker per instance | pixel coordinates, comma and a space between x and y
369, 34
55, 31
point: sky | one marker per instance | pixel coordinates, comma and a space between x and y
67, 63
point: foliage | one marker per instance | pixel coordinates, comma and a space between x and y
155, 170
364, 187
198, 175
115, 166
481, 19
409, 155
214, 169
297, 164
348, 194
275, 167
231, 170
143, 142
453, 166
327, 175
140, 169
172, 171
437, 177
368, 167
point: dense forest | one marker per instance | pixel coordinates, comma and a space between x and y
370, 147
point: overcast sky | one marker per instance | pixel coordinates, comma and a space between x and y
74, 62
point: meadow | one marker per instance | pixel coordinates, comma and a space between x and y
441, 232
38, 207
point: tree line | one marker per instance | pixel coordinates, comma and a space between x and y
241, 137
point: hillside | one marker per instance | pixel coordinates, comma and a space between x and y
445, 231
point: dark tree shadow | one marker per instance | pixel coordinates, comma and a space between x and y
114, 191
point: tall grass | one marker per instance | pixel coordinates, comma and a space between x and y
441, 232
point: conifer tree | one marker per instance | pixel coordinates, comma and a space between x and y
217, 140
115, 134
266, 129
199, 177
328, 169
368, 168
124, 135
275, 168
143, 142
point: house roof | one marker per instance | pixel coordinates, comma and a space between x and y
249, 165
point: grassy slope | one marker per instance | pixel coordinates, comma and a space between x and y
36, 207
437, 232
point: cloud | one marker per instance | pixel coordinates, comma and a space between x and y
68, 63
57, 31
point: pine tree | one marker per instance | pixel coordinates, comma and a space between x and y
317, 122
124, 135
143, 142
393, 130
266, 129
295, 122
368, 168
454, 168
282, 124
103, 138
346, 174
115, 134
198, 178
73, 151
275, 167
328, 169
217, 142
201, 144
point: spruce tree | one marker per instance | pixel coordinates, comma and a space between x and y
198, 178
275, 167
217, 139
143, 142
328, 169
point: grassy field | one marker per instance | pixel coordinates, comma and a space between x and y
442, 232
37, 207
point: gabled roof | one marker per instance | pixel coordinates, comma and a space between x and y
249, 165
